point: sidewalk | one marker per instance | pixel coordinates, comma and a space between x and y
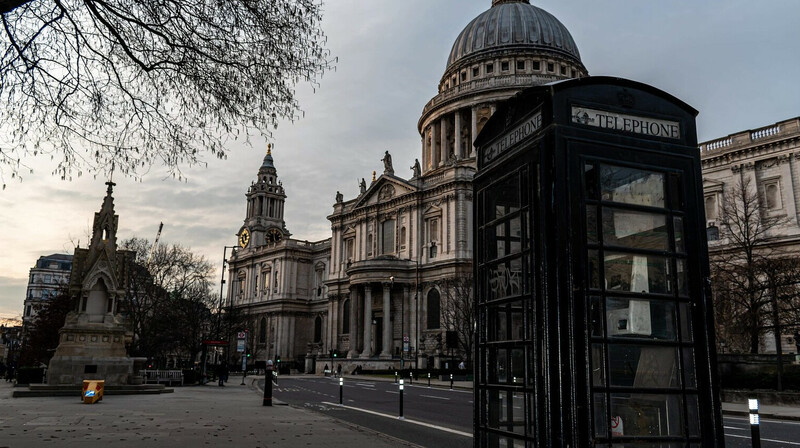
208, 415
737, 409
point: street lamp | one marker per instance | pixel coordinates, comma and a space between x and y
221, 289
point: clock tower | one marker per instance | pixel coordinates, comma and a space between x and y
265, 199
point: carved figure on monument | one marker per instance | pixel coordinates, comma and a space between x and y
362, 186
92, 341
339, 197
416, 169
387, 163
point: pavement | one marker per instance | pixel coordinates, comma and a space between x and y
208, 416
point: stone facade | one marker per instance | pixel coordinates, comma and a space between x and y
92, 341
45, 280
395, 245
767, 158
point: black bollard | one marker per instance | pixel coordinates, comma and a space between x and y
401, 399
268, 387
429, 380
451, 381
341, 387
395, 377
755, 427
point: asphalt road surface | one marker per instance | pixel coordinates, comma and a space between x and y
436, 417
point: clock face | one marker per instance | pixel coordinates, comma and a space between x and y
274, 235
244, 237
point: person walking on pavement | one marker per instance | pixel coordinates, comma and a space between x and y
339, 370
222, 373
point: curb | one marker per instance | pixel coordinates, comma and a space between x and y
794, 418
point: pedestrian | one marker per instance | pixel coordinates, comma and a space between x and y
461, 366
2, 369
10, 374
325, 370
221, 368
339, 370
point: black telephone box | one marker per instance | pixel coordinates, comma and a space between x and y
594, 323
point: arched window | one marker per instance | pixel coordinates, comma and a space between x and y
433, 310
346, 317
388, 236
262, 331
402, 237
318, 329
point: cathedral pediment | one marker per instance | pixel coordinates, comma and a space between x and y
385, 189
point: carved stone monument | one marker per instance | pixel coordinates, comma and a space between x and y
92, 341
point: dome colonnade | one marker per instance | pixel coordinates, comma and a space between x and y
507, 48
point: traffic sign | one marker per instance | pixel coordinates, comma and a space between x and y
241, 335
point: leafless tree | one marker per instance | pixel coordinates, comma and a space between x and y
458, 311
138, 82
169, 301
743, 267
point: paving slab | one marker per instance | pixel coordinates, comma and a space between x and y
199, 416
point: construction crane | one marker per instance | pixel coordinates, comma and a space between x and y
155, 243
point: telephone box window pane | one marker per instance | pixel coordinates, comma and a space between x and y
642, 366
598, 366
689, 377
637, 273
680, 276
600, 415
502, 198
632, 186
647, 415
498, 365
596, 317
677, 224
505, 279
693, 415
594, 269
687, 335
506, 239
517, 366
505, 322
590, 180
591, 225
650, 319
635, 229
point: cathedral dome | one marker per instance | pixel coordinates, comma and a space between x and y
513, 23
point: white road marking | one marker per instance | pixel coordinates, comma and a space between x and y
366, 384
735, 428
415, 422
433, 396
764, 440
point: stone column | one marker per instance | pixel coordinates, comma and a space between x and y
474, 131
457, 133
353, 352
386, 352
434, 141
367, 322
443, 132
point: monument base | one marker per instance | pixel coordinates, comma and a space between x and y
72, 370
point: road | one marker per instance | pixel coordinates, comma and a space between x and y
448, 414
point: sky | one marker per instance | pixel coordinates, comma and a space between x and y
736, 61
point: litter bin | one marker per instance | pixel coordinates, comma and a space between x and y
92, 391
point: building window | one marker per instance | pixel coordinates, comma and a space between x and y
476, 71
772, 195
346, 317
262, 331
350, 248
433, 250
369, 245
433, 310
537, 65
489, 68
402, 238
388, 236
241, 281
265, 280
564, 70
318, 330
463, 76
711, 206
504, 66
28, 311
551, 67
520, 65
712, 233
319, 277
